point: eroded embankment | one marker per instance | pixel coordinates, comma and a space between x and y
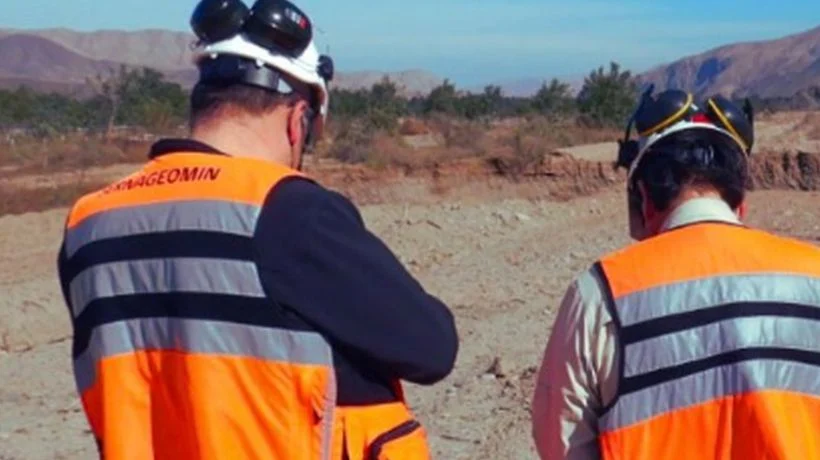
558, 176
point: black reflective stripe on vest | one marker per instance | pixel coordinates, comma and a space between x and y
690, 342
189, 262
223, 217
182, 244
720, 315
169, 275
609, 303
761, 371
231, 309
691, 296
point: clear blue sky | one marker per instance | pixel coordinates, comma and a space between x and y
475, 41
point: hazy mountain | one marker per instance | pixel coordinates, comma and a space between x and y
526, 87
159, 49
61, 59
780, 67
45, 65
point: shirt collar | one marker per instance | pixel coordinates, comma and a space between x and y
173, 145
704, 209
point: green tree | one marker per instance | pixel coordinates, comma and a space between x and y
111, 89
140, 97
347, 103
384, 106
44, 113
149, 101
554, 98
486, 105
443, 99
607, 98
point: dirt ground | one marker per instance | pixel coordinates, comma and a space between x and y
499, 252
501, 264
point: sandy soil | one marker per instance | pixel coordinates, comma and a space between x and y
501, 264
499, 252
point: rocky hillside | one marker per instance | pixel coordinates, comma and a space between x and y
159, 49
60, 59
772, 68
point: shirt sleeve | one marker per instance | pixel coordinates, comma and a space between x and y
317, 258
62, 260
578, 375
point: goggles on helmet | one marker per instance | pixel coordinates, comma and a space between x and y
269, 45
674, 110
275, 25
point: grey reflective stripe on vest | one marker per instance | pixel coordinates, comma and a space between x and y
716, 338
709, 385
327, 420
201, 215
699, 294
199, 336
722, 348
192, 275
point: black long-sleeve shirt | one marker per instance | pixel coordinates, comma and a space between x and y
316, 258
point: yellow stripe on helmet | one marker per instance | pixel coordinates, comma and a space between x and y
728, 125
670, 119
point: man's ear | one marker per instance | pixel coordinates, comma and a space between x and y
647, 208
741, 211
295, 125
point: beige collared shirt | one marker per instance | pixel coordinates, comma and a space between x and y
578, 374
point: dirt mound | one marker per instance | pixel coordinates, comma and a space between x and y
558, 176
796, 171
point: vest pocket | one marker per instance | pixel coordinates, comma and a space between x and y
405, 441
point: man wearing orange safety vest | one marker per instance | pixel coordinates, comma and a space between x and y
227, 306
700, 341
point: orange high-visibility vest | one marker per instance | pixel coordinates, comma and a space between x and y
719, 337
190, 375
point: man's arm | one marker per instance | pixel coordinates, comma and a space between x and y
577, 377
317, 257
62, 260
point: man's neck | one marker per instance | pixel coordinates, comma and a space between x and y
706, 207
240, 140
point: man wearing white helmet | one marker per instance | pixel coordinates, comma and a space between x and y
700, 341
227, 306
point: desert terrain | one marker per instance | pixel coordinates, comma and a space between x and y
499, 251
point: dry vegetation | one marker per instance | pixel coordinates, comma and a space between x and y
421, 144
812, 122
40, 174
66, 153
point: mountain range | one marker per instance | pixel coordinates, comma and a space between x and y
61, 60
772, 68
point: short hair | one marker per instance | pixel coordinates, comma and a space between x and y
694, 158
209, 101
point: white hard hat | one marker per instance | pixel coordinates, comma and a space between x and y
304, 68
270, 45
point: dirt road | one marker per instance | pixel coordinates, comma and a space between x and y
502, 265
